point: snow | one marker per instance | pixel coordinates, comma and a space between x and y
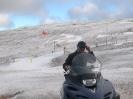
101, 36
128, 33
31, 63
120, 43
24, 75
32, 73
68, 38
37, 79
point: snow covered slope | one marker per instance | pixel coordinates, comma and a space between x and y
31, 79
30, 42
26, 55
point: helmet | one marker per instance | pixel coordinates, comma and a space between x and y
81, 44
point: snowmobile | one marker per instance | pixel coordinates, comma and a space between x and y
85, 81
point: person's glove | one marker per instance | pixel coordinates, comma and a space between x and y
88, 48
66, 67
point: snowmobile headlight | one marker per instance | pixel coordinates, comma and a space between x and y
89, 82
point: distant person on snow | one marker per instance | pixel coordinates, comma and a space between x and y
81, 46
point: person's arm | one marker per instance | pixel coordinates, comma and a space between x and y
67, 63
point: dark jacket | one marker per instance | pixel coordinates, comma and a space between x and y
70, 57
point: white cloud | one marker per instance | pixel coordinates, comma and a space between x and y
90, 9
21, 6
49, 21
5, 21
84, 10
102, 9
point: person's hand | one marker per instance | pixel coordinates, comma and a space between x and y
66, 67
88, 48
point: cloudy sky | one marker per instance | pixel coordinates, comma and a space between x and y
19, 13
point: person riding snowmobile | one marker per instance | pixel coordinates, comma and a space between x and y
81, 46
83, 77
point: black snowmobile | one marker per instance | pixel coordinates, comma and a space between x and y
84, 80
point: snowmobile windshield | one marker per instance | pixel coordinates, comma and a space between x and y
85, 63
